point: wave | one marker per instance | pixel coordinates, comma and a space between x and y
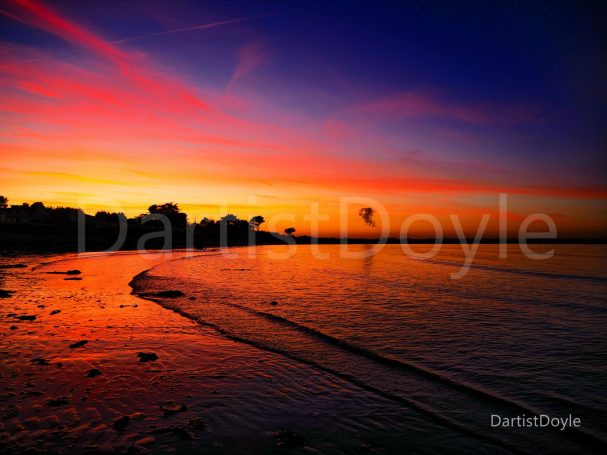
463, 404
64, 257
574, 304
398, 364
495, 268
411, 402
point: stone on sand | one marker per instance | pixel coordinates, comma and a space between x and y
69, 272
170, 294
121, 423
59, 401
93, 372
147, 356
78, 344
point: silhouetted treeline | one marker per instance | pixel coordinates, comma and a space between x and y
37, 227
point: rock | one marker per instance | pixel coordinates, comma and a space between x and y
121, 423
26, 317
172, 408
40, 361
78, 344
4, 294
60, 401
273, 303
13, 327
289, 439
147, 356
13, 266
69, 272
93, 372
169, 294
55, 312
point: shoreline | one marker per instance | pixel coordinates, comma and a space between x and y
203, 391
325, 352
96, 358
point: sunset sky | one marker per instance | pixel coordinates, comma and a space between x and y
266, 107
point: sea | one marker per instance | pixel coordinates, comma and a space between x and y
513, 337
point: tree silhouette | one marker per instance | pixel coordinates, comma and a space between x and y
290, 231
229, 219
257, 221
165, 209
206, 222
109, 218
171, 211
3, 202
367, 214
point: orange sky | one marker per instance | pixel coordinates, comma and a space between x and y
107, 126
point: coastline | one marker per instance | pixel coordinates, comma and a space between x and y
203, 391
250, 316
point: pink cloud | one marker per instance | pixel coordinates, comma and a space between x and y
43, 17
420, 105
119, 102
249, 58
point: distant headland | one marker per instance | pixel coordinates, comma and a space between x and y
36, 227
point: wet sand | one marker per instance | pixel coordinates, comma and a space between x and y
204, 392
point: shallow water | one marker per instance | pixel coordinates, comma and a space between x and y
243, 394
513, 336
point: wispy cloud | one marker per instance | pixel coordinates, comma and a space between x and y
191, 28
85, 121
249, 58
423, 105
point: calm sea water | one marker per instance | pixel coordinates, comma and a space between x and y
514, 336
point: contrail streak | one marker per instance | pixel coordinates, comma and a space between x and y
149, 35
187, 29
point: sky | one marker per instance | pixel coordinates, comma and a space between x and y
270, 107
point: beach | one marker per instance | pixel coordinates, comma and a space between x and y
73, 381
232, 352
371, 227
